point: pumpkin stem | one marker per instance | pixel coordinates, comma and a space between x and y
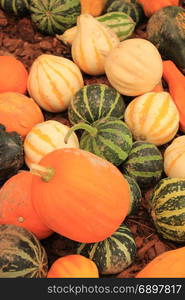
92, 130
46, 173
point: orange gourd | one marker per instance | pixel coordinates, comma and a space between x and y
19, 113
13, 75
79, 195
151, 6
16, 207
93, 8
73, 266
169, 264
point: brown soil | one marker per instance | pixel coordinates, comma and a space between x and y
19, 38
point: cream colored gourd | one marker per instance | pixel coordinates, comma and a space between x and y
92, 42
134, 67
53, 81
46, 137
174, 158
152, 117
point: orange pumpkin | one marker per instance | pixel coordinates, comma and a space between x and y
169, 264
19, 113
73, 266
151, 6
16, 207
79, 195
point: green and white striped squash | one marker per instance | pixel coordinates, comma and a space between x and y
135, 195
95, 101
15, 7
21, 254
144, 163
168, 208
109, 138
52, 17
113, 254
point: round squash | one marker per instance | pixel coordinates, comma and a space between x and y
46, 137
21, 254
153, 117
19, 113
134, 67
169, 264
72, 178
16, 206
136, 195
53, 81
15, 7
73, 266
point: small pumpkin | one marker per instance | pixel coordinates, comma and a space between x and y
16, 7
73, 266
69, 178
53, 81
150, 7
93, 8
134, 67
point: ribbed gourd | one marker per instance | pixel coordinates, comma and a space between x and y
136, 195
15, 7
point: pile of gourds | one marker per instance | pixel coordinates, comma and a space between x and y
83, 186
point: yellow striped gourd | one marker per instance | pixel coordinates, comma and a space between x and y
53, 81
46, 137
153, 117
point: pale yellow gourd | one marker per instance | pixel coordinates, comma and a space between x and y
53, 81
152, 117
134, 67
92, 42
174, 158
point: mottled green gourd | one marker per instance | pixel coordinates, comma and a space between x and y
15, 7
54, 17
167, 204
113, 254
144, 163
95, 101
109, 138
135, 195
21, 254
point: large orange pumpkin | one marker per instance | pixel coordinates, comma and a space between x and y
73, 266
80, 196
16, 207
19, 113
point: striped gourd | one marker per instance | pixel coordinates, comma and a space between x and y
95, 101
51, 17
121, 23
113, 254
168, 208
53, 81
144, 163
153, 117
16, 7
108, 138
46, 137
21, 254
135, 195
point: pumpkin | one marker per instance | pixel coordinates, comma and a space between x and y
73, 266
134, 67
93, 8
113, 254
144, 164
16, 7
136, 195
13, 75
51, 17
169, 264
19, 113
174, 158
11, 153
108, 138
150, 7
21, 254
53, 81
69, 178
46, 137
94, 102
92, 41
167, 208
16, 207
153, 117
166, 28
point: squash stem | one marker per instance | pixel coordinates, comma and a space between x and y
46, 173
92, 130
